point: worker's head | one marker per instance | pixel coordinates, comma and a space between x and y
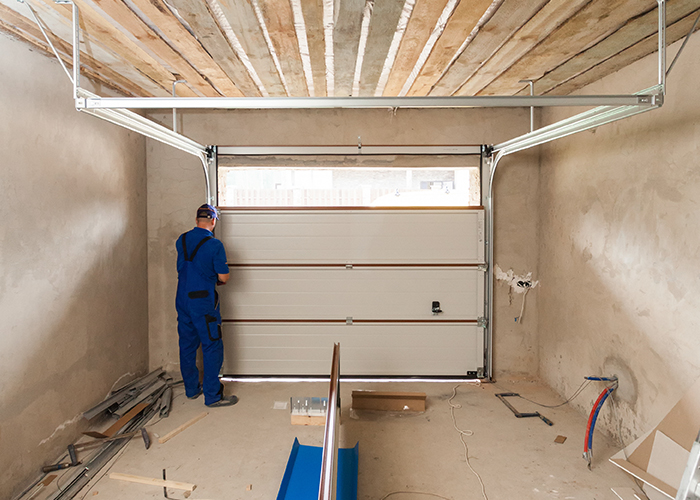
207, 216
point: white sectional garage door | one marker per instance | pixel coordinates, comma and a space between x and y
302, 280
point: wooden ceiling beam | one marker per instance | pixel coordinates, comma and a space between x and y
132, 23
197, 15
423, 19
541, 25
635, 30
241, 16
346, 40
508, 19
587, 27
385, 18
313, 18
643, 48
463, 20
161, 16
280, 25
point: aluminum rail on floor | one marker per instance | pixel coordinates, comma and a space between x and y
329, 462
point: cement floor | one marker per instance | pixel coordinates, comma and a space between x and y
240, 452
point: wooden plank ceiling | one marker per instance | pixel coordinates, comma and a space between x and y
305, 48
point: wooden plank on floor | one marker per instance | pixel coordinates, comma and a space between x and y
181, 428
385, 18
463, 20
587, 27
346, 40
98, 58
635, 30
313, 18
425, 15
549, 18
160, 15
649, 45
127, 19
163, 483
507, 20
241, 16
280, 25
197, 15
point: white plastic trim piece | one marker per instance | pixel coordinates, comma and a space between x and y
300, 28
236, 44
394, 47
362, 46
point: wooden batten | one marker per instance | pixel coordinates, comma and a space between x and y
313, 17
632, 32
627, 56
459, 26
539, 27
507, 20
425, 15
385, 18
280, 26
172, 28
346, 40
588, 26
207, 31
241, 16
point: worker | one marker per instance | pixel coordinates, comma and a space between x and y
201, 266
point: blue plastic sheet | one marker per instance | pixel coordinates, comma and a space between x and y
303, 474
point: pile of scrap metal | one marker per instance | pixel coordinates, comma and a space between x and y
133, 405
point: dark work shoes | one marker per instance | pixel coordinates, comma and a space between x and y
224, 401
199, 393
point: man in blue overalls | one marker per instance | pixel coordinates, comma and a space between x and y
201, 265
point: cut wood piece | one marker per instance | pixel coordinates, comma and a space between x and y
100, 60
99, 28
163, 483
388, 401
308, 419
197, 15
385, 18
625, 493
280, 26
463, 20
549, 18
184, 426
313, 18
560, 439
150, 40
346, 39
112, 430
587, 27
674, 32
425, 15
240, 15
633, 31
161, 16
507, 20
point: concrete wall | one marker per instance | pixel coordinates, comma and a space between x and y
176, 188
73, 279
620, 254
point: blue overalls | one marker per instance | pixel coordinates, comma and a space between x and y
200, 258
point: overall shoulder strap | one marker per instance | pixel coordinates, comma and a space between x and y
183, 237
199, 245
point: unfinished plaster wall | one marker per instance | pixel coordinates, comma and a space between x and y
176, 188
620, 254
73, 279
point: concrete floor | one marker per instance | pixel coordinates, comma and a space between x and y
249, 444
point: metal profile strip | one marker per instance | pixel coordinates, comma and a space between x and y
329, 460
347, 150
362, 102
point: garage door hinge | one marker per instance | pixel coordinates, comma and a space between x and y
482, 322
348, 266
348, 320
482, 267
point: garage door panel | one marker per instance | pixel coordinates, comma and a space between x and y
381, 236
367, 349
360, 293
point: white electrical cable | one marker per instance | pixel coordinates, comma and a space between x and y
522, 308
463, 433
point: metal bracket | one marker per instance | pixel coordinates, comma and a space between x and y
502, 396
80, 103
480, 372
348, 266
210, 151
348, 320
482, 267
482, 322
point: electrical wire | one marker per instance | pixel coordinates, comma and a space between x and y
414, 493
578, 391
522, 308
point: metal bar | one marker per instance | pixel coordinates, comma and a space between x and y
662, 45
687, 37
363, 102
347, 150
48, 40
329, 461
351, 379
205, 166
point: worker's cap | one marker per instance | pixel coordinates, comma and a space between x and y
206, 211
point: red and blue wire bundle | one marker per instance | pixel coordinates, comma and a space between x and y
588, 442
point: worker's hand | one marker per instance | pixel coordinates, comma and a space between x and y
220, 283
